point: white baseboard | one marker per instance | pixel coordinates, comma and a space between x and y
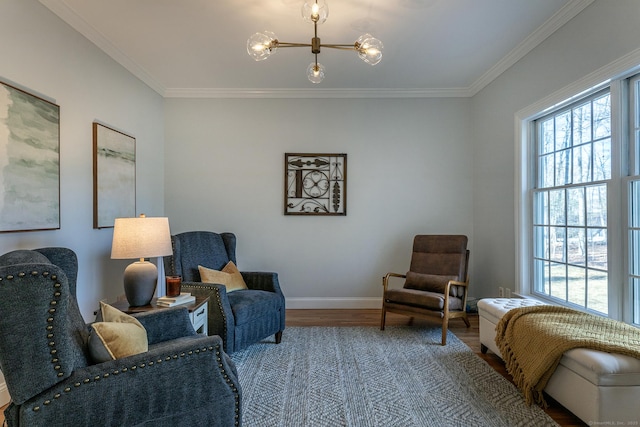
329, 303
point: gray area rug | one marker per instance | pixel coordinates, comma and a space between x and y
364, 377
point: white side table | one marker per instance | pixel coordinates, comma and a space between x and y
199, 315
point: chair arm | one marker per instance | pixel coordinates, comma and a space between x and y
167, 324
447, 290
385, 279
220, 318
457, 283
262, 281
189, 378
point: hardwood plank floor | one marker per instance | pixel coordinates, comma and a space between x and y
370, 317
470, 336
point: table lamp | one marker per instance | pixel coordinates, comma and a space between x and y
141, 237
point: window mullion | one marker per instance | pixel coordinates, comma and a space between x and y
617, 252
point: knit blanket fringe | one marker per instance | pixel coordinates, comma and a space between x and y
533, 339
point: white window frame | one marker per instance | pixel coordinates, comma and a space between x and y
634, 175
611, 75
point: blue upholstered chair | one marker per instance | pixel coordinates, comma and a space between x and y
242, 317
184, 379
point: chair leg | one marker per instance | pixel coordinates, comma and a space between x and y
445, 326
278, 337
383, 318
466, 321
411, 321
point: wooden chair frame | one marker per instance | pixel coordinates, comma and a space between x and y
445, 314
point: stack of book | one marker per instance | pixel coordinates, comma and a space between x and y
183, 298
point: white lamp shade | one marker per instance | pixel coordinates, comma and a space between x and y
142, 237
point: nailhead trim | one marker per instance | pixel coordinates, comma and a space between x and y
49, 328
220, 309
230, 383
224, 314
157, 362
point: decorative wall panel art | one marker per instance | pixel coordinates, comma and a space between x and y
29, 161
315, 184
114, 176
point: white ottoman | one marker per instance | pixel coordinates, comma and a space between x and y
597, 387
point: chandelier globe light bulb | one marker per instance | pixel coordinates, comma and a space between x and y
260, 46
369, 49
315, 11
315, 72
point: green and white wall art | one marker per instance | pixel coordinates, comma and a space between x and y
29, 161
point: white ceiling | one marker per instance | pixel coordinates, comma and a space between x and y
197, 48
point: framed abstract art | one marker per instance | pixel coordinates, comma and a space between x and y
114, 176
29, 161
315, 184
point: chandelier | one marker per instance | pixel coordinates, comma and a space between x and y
261, 46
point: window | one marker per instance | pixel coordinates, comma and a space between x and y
633, 223
570, 228
578, 186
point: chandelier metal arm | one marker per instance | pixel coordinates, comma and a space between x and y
286, 44
331, 46
340, 46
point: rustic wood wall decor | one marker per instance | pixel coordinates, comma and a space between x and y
315, 184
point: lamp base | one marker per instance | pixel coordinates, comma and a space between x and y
140, 279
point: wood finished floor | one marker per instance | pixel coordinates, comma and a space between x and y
470, 336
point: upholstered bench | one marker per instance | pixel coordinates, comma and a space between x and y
597, 387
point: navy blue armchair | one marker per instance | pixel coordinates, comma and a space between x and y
242, 317
184, 379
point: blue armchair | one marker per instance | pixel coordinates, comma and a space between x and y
242, 317
184, 379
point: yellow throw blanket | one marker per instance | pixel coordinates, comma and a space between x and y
533, 339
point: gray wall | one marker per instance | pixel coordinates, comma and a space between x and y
409, 172
45, 56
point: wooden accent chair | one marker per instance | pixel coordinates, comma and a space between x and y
436, 284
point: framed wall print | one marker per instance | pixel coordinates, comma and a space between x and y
29, 161
315, 184
114, 176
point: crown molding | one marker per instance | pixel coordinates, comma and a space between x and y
73, 19
316, 93
564, 15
